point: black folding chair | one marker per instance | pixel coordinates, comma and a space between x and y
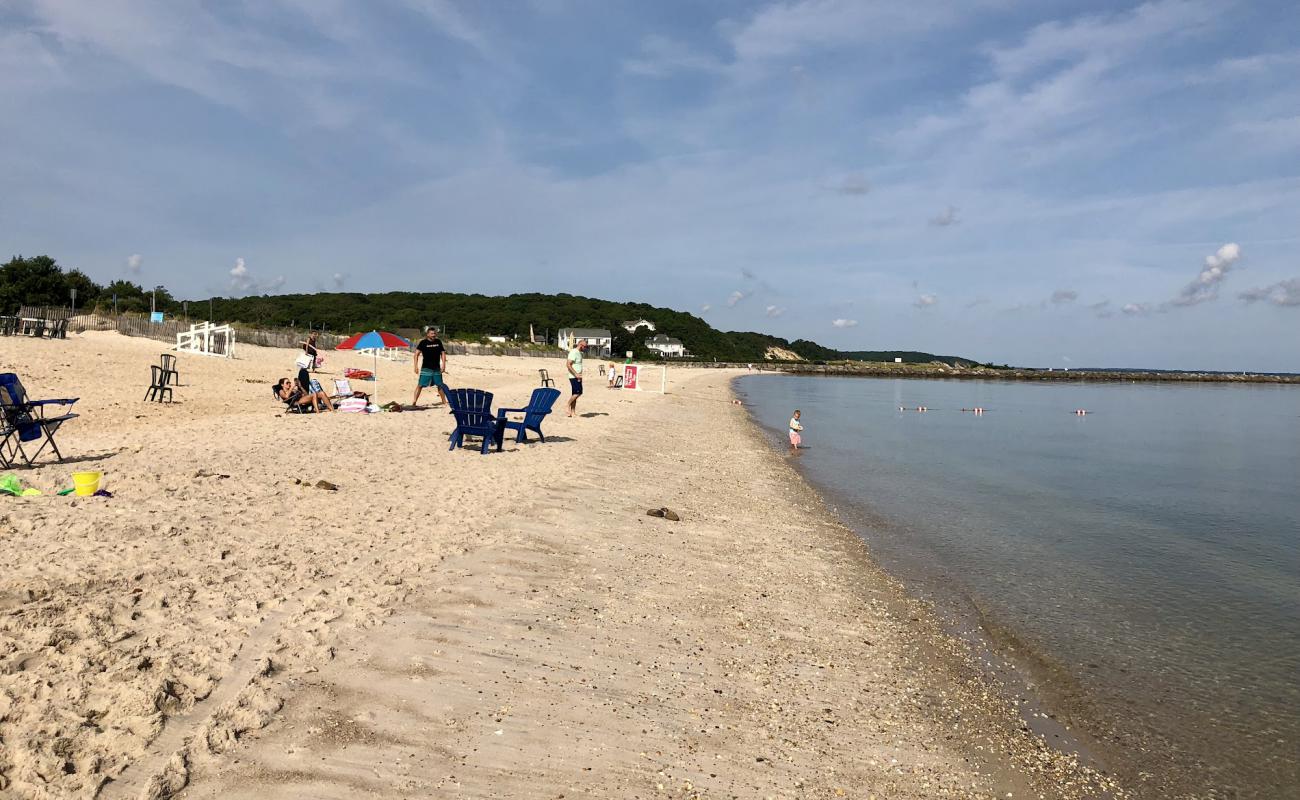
26, 421
546, 378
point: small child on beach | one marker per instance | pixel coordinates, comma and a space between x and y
796, 427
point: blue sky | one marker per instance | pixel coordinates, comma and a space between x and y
1043, 183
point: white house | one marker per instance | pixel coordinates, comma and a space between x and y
599, 340
666, 346
633, 325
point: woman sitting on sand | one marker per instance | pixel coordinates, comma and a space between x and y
293, 393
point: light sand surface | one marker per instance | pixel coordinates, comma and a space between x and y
452, 625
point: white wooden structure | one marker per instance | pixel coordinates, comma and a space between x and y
206, 339
397, 354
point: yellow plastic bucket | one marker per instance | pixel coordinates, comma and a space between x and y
86, 483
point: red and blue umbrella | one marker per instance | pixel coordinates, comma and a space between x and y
374, 341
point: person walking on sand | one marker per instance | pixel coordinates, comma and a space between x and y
796, 428
613, 374
574, 365
430, 364
309, 347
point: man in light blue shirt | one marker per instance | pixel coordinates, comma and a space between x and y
575, 375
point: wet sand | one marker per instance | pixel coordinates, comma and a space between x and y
447, 624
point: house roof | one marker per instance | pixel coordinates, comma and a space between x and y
662, 339
585, 333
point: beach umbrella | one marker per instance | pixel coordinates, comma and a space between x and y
374, 341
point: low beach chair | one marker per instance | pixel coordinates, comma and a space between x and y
26, 420
539, 405
472, 409
290, 407
546, 378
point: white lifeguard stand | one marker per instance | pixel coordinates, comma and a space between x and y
206, 339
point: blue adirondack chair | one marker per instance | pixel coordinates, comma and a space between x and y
473, 411
26, 421
539, 405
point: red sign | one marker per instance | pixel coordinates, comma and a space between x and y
629, 377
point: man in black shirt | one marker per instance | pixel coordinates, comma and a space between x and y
430, 363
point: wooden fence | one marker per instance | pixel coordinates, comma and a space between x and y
165, 331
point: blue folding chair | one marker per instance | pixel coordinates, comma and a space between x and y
539, 405
27, 421
472, 409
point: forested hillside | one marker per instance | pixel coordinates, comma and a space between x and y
41, 281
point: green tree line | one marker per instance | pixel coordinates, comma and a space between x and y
41, 281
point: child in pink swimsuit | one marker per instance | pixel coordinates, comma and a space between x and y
795, 429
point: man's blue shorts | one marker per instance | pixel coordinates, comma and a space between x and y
575, 386
429, 378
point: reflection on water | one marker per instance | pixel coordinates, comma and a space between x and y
1147, 550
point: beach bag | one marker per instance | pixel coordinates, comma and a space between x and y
305, 362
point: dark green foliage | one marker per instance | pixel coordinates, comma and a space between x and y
39, 281
36, 281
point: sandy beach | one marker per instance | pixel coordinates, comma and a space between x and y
445, 624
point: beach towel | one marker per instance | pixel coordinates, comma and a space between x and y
353, 405
358, 374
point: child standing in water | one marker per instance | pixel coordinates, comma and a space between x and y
796, 428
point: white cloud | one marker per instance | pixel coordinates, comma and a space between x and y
449, 20
1206, 285
1278, 133
925, 301
661, 57
1136, 309
1104, 35
786, 29
339, 280
1283, 293
134, 263
706, 308
945, 219
774, 311
736, 296
845, 323
239, 277
1064, 296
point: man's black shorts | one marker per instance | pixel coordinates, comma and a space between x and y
575, 385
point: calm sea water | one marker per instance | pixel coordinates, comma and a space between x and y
1147, 553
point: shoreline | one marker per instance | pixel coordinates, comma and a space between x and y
1099, 720
221, 628
1017, 679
